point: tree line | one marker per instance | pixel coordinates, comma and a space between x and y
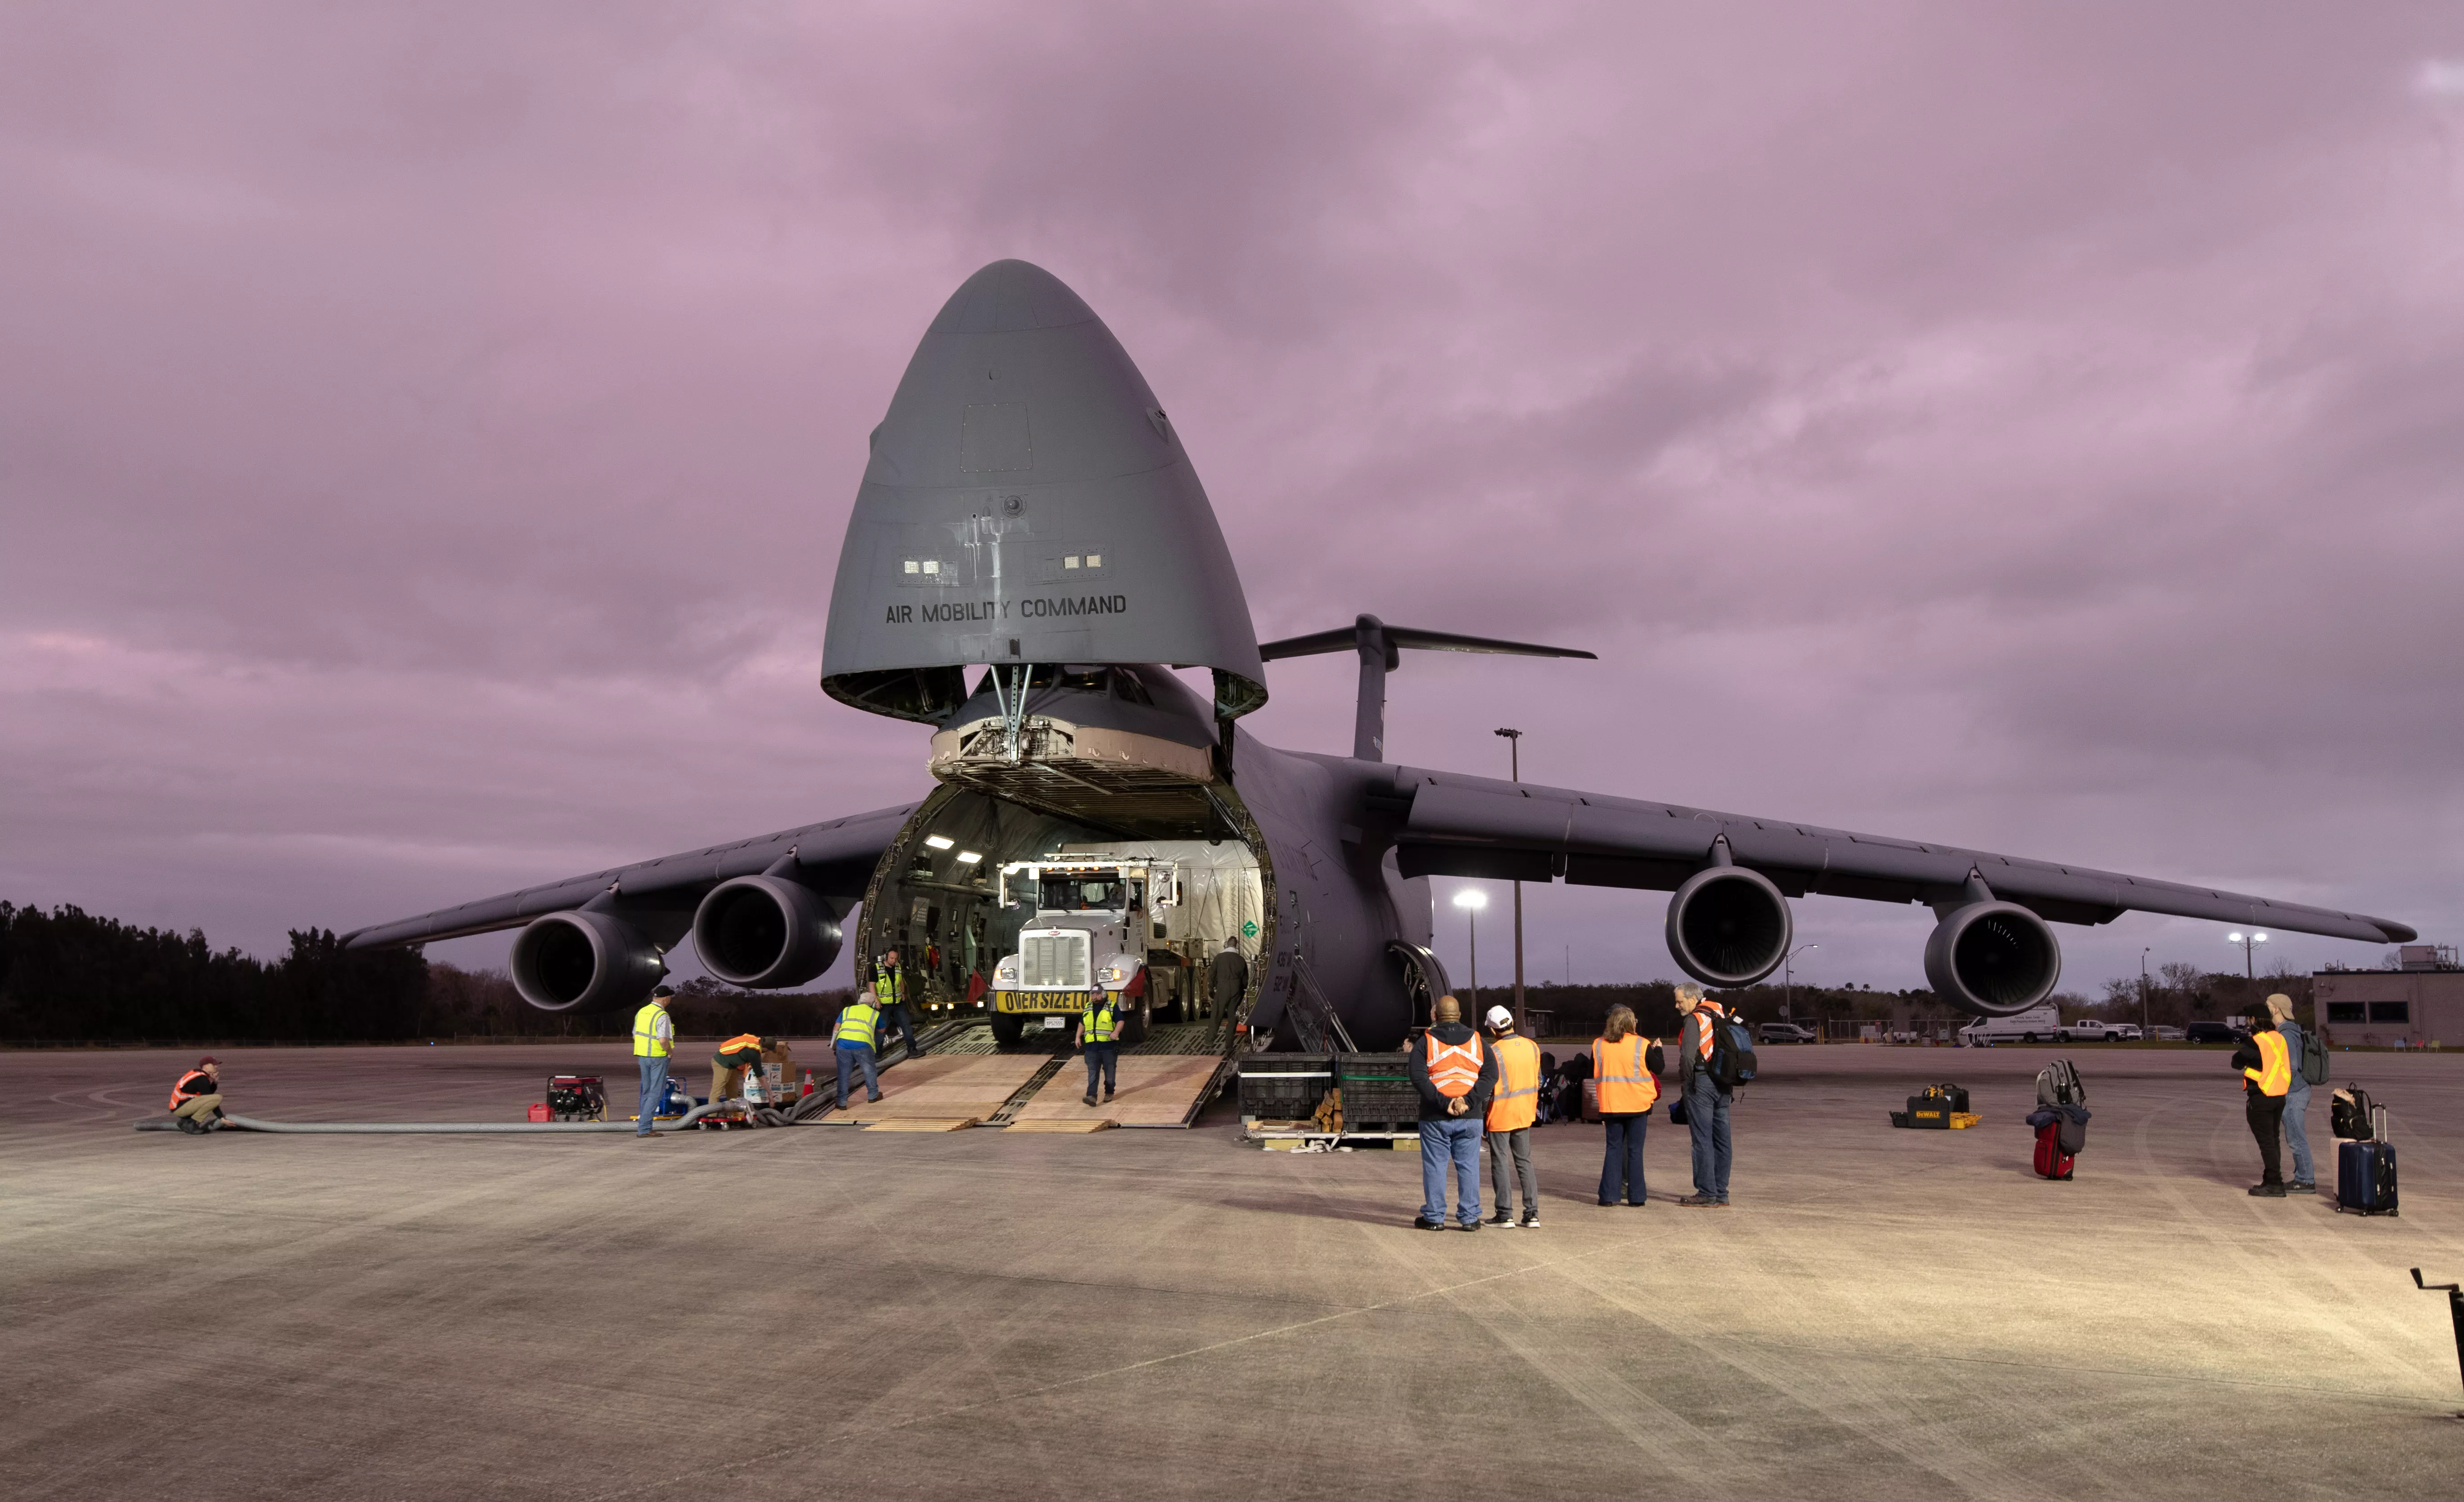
67, 975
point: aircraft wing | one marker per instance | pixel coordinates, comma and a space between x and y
835, 858
1476, 827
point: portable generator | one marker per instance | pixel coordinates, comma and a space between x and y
577, 1098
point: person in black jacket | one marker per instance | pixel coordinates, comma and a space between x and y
1455, 1074
2266, 1069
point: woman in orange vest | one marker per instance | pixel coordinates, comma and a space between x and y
1512, 1110
2266, 1067
1625, 1069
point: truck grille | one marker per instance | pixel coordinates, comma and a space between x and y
1053, 959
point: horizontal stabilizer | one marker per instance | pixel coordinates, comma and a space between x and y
1380, 648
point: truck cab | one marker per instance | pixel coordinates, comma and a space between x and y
1095, 918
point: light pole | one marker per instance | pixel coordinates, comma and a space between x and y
1471, 899
2145, 1032
1788, 977
2248, 964
1514, 762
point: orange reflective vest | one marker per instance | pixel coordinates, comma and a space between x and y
1516, 1104
1454, 1068
182, 1095
2273, 1075
1710, 1012
1622, 1079
742, 1043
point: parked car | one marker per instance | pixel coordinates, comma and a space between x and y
2165, 1035
2211, 1032
1783, 1032
2094, 1029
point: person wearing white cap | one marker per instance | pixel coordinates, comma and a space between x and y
1512, 1110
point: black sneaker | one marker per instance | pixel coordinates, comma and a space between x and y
1421, 1223
1531, 1220
1471, 1225
1502, 1218
2304, 1187
2267, 1191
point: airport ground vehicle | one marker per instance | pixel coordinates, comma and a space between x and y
1783, 1032
2039, 1023
1103, 920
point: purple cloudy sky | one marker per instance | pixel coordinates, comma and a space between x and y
426, 432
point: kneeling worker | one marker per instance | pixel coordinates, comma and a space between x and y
1099, 1033
859, 1025
1512, 1110
733, 1057
197, 1099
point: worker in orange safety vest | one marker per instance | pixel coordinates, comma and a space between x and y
2266, 1067
1512, 1108
1456, 1077
1625, 1068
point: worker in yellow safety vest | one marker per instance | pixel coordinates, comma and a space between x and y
2266, 1067
858, 1031
1625, 1069
654, 1039
1512, 1110
890, 994
1099, 1038
1456, 1077
744, 1051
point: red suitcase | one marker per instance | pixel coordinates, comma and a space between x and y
2052, 1162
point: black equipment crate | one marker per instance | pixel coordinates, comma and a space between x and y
1284, 1086
1377, 1090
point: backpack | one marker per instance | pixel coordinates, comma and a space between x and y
2314, 1057
2349, 1113
1733, 1053
2058, 1084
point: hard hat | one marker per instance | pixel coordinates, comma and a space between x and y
1500, 1017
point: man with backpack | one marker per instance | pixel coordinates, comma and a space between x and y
1706, 1052
2309, 1055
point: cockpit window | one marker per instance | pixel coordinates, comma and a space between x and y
1102, 892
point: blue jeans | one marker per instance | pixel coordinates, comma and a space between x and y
1621, 1170
897, 1015
1452, 1143
1707, 1117
853, 1056
2297, 1128
1102, 1058
654, 1090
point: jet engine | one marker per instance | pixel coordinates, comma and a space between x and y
1729, 926
765, 931
1993, 959
584, 961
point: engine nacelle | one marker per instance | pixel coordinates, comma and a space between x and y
584, 961
1993, 959
1729, 926
766, 932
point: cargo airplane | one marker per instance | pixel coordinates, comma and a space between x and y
1028, 518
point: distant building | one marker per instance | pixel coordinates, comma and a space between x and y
2418, 1003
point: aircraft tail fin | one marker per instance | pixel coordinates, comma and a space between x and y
1380, 646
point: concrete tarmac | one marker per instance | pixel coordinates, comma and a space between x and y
824, 1312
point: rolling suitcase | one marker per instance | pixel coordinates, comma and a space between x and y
2365, 1171
2052, 1162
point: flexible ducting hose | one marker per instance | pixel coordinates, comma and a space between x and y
420, 1128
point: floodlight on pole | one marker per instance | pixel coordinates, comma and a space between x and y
1514, 769
1471, 899
1788, 977
2249, 944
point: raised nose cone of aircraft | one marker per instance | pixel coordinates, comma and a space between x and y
1029, 501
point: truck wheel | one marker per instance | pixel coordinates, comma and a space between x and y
2028, 1038
1133, 1028
1008, 1027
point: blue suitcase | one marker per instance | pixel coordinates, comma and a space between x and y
2366, 1171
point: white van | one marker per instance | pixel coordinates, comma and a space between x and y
2038, 1023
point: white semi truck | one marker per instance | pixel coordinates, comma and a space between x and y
1095, 916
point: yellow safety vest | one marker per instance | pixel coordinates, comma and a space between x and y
856, 1022
1102, 1021
1516, 1105
2274, 1072
648, 1044
889, 988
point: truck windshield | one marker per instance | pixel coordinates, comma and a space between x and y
1084, 892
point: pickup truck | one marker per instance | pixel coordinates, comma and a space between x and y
2094, 1029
